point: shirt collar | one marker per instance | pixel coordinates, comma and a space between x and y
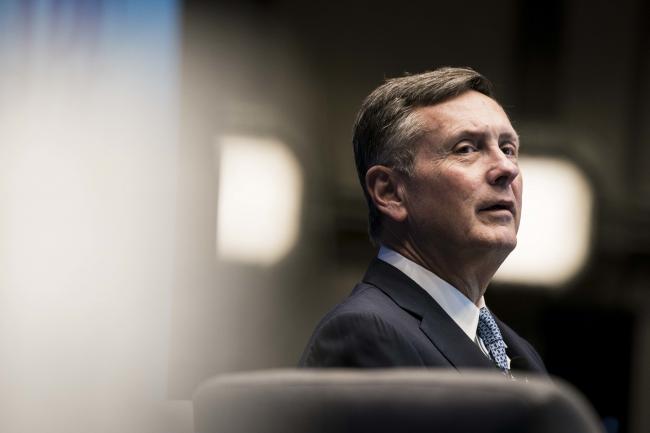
462, 311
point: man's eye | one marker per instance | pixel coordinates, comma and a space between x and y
465, 148
509, 150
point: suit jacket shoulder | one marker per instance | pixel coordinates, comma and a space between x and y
366, 330
390, 321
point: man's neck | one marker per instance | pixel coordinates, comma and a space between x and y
469, 276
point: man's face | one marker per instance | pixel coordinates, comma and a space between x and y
465, 192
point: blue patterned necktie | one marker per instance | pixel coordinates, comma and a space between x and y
489, 332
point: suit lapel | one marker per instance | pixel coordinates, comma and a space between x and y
435, 323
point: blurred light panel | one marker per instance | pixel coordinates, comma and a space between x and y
554, 235
260, 192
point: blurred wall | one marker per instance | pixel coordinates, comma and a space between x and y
244, 73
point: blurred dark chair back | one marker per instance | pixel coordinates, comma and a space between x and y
395, 401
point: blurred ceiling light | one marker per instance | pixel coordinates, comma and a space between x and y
553, 239
260, 191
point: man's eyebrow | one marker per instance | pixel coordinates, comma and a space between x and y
477, 133
510, 135
468, 132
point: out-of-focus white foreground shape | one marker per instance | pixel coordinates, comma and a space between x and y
260, 192
554, 235
88, 186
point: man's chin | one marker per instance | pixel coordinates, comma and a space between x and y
499, 241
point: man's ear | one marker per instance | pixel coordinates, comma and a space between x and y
385, 188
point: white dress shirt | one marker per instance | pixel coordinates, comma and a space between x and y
462, 311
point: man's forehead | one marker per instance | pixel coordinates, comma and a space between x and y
470, 111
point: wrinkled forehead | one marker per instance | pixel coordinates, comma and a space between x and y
471, 112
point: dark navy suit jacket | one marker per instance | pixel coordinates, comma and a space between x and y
390, 321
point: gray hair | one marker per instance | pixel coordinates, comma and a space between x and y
386, 127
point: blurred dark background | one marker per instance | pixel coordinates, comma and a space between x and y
178, 197
574, 77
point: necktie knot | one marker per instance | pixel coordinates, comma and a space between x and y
489, 332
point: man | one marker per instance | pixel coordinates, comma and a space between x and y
437, 159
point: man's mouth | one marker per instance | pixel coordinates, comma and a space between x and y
502, 205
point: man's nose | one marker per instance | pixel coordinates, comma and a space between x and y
503, 169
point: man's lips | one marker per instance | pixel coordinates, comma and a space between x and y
498, 205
